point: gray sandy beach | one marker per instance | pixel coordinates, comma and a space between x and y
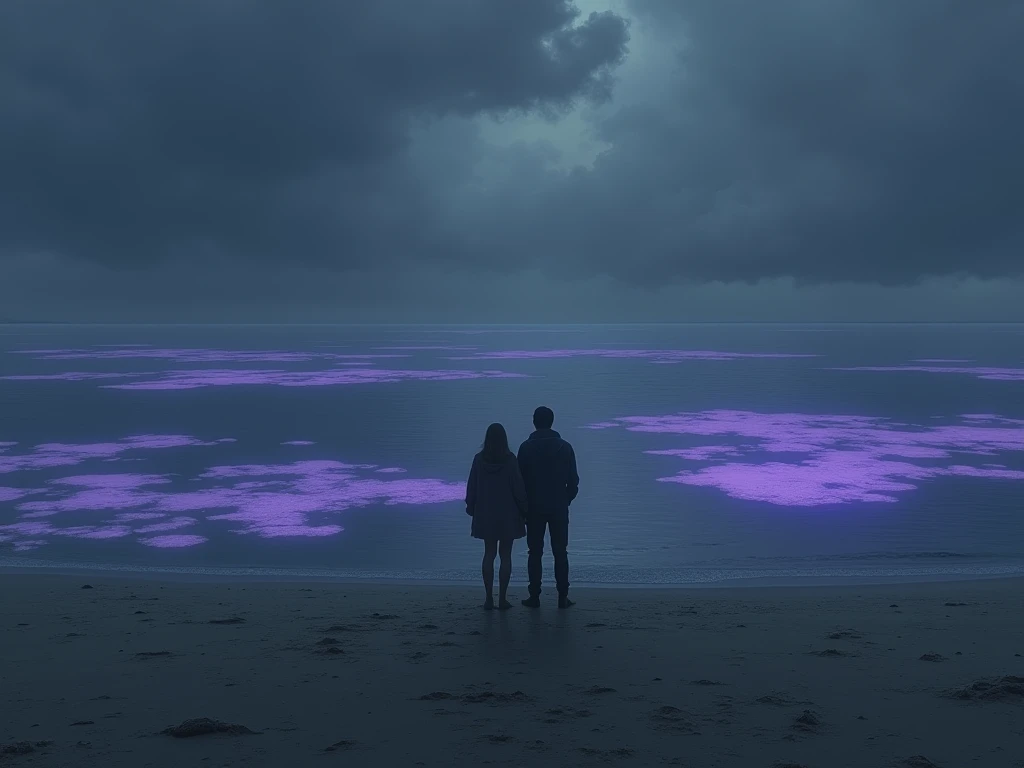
95, 669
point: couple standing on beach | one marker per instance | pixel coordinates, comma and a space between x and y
510, 496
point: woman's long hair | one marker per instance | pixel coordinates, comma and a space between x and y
495, 448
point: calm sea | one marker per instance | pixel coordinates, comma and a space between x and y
708, 453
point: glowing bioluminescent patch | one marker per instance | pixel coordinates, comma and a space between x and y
297, 499
801, 459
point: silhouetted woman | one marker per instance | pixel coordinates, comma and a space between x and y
496, 500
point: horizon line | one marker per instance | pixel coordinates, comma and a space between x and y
510, 324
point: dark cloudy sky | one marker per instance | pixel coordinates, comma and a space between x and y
511, 160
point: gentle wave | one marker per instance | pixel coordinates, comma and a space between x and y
609, 577
856, 557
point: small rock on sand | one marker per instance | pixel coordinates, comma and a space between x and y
1006, 688
87, 586
844, 634
919, 761
232, 620
932, 657
343, 744
17, 748
204, 726
808, 721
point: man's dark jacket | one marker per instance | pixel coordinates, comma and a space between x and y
548, 466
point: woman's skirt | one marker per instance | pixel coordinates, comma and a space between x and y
497, 527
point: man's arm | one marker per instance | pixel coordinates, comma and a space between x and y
572, 482
522, 458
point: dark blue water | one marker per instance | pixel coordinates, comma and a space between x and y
820, 473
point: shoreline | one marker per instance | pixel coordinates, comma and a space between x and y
732, 590
714, 578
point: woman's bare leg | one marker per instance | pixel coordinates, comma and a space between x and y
504, 574
490, 551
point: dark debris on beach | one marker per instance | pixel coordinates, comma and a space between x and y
205, 726
1006, 688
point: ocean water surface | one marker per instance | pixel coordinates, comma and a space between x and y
709, 454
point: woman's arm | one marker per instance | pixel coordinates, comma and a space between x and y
572, 483
471, 490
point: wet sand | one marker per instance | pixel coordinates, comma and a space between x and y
908, 676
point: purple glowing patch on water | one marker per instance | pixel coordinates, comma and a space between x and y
27, 544
49, 455
299, 442
97, 492
702, 453
174, 524
195, 355
126, 517
301, 468
173, 542
941, 360
94, 531
10, 494
300, 499
991, 417
195, 379
310, 488
665, 356
991, 374
830, 459
26, 529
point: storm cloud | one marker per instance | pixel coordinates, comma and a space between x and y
132, 132
303, 151
824, 141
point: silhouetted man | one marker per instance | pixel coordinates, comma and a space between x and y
548, 465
